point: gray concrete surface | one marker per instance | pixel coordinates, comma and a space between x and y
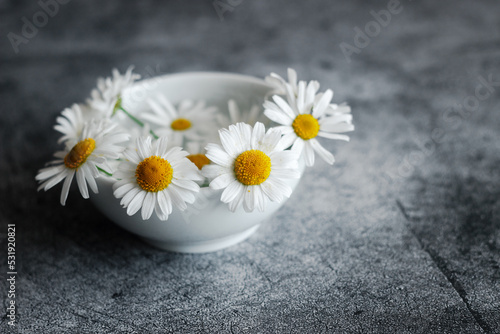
402, 235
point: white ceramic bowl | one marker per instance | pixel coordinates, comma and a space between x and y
207, 225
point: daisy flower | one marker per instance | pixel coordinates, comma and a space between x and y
97, 143
153, 177
251, 167
305, 119
188, 122
106, 98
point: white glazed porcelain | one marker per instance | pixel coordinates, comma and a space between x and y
207, 225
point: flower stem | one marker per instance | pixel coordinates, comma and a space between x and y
103, 171
137, 121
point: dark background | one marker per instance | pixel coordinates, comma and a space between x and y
401, 235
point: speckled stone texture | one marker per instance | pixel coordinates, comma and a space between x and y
401, 235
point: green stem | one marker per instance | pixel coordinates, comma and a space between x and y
103, 171
137, 121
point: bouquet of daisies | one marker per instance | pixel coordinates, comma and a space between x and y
159, 159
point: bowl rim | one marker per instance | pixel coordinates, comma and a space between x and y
207, 74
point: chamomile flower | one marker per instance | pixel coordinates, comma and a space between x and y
251, 167
155, 178
190, 121
305, 119
96, 145
106, 98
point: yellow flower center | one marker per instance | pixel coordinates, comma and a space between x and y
180, 124
306, 126
199, 160
252, 167
154, 174
79, 153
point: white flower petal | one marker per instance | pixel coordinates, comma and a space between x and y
301, 93
242, 135
212, 171
66, 185
344, 118
217, 155
129, 196
284, 107
338, 128
148, 205
232, 190
176, 198
260, 198
136, 203
82, 185
143, 148
275, 189
285, 173
333, 136
165, 202
320, 107
132, 156
312, 88
90, 180
278, 117
222, 181
270, 141
288, 139
48, 172
161, 146
228, 142
159, 212
298, 145
56, 179
323, 153
186, 195
284, 159
236, 202
249, 199
186, 184
308, 154
120, 191
257, 135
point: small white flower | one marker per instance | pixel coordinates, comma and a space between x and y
153, 177
251, 167
96, 145
106, 98
188, 122
305, 118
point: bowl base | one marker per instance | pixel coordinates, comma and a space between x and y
203, 246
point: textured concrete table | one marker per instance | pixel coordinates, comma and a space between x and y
402, 235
